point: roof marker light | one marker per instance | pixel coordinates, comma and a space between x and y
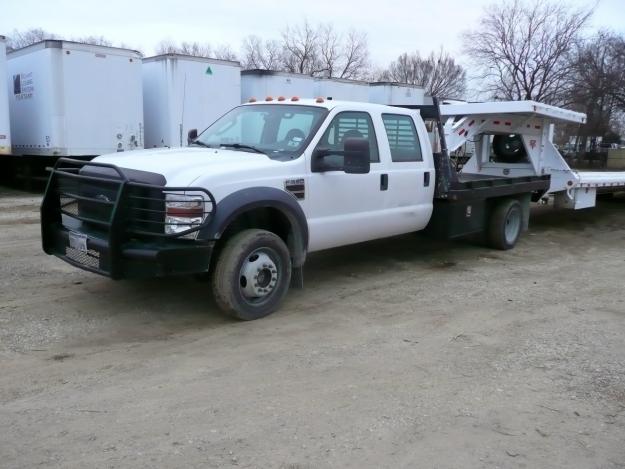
295, 98
281, 98
251, 100
319, 100
269, 98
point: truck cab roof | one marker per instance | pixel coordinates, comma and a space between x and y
330, 104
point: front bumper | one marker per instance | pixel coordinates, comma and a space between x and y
134, 259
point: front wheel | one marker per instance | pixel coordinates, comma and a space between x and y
252, 274
506, 224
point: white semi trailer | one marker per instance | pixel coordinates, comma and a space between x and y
396, 94
343, 90
73, 99
258, 84
181, 92
5, 128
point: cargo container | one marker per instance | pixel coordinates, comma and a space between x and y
341, 89
73, 99
259, 84
396, 94
182, 92
5, 133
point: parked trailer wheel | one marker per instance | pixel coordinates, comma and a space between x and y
506, 224
252, 274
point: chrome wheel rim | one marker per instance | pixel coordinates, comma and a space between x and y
259, 275
513, 223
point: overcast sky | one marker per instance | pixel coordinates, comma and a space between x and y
392, 26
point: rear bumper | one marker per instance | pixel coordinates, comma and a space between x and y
134, 259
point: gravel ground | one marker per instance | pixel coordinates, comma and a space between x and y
397, 353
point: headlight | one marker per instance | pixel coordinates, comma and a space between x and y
183, 212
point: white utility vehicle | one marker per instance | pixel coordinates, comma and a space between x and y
272, 181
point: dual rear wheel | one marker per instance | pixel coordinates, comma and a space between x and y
505, 225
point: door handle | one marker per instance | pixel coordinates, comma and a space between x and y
426, 179
383, 182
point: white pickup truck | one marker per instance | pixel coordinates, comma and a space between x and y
272, 181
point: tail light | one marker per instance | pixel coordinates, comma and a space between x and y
183, 212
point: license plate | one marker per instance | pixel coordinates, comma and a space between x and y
78, 241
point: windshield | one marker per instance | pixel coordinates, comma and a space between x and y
280, 131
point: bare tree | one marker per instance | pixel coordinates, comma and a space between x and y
330, 50
196, 49
19, 39
354, 59
259, 54
438, 73
94, 40
224, 52
301, 49
597, 85
318, 50
521, 47
342, 55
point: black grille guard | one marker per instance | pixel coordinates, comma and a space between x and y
112, 204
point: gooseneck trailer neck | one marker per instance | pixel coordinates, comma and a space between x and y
532, 125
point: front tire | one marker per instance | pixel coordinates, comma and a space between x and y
252, 274
506, 224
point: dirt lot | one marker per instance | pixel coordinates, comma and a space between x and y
398, 353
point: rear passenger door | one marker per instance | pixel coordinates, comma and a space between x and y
411, 179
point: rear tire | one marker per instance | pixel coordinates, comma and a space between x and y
506, 224
252, 274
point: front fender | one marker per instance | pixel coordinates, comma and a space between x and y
233, 205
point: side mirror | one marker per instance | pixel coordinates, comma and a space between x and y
357, 156
192, 135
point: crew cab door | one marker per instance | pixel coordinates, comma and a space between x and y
345, 208
410, 190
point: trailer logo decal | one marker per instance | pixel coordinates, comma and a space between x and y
533, 144
209, 70
23, 86
296, 187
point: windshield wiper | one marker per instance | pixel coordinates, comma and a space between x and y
200, 143
242, 146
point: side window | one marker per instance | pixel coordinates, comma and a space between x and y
402, 138
350, 125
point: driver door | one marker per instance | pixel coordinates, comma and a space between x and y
345, 208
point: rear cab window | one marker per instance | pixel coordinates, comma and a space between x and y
403, 139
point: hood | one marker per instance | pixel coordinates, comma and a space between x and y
182, 166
